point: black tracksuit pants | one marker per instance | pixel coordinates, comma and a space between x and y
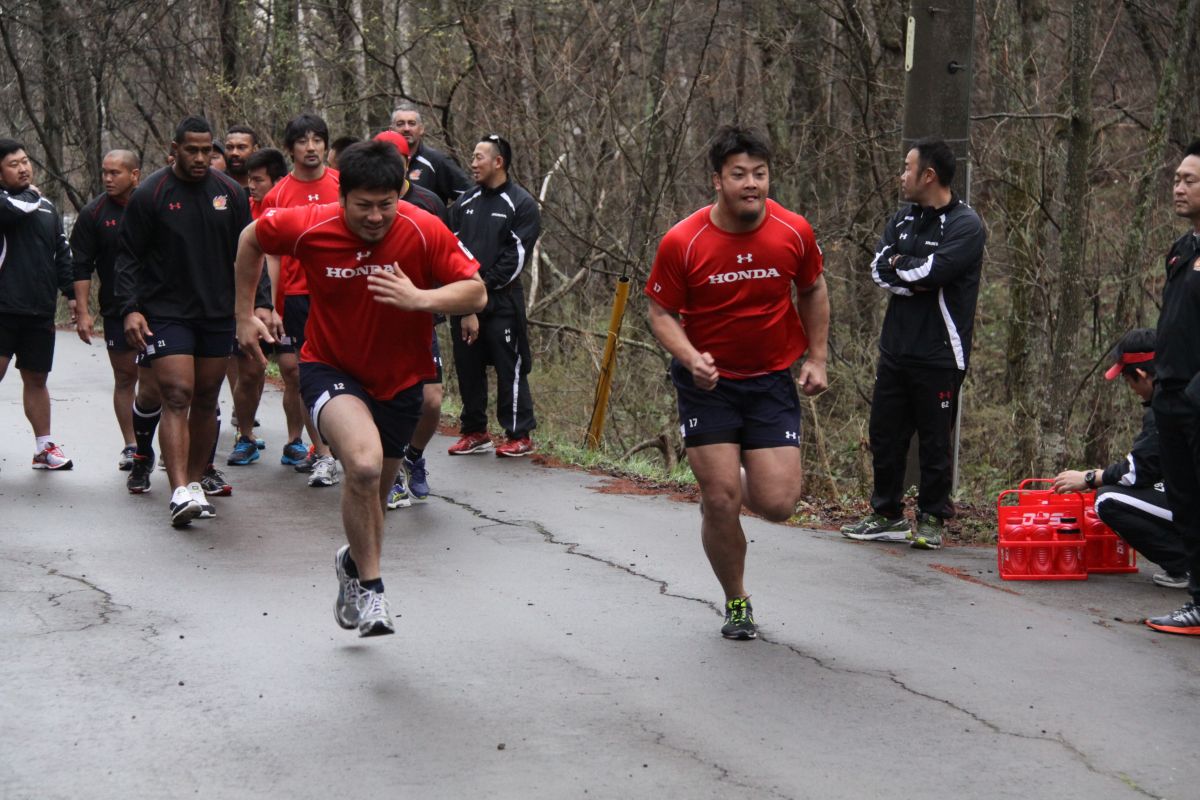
1142, 518
908, 399
1179, 449
503, 343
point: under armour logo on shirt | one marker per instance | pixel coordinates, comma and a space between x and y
313, 198
746, 258
789, 434
110, 223
361, 254
174, 206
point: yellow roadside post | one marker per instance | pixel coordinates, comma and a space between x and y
607, 365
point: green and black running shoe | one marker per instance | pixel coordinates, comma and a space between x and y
878, 528
739, 620
929, 533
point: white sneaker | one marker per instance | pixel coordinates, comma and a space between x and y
207, 509
184, 507
1169, 581
324, 472
51, 457
374, 615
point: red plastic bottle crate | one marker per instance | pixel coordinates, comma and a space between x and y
1107, 553
1029, 545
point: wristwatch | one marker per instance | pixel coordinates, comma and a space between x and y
1089, 478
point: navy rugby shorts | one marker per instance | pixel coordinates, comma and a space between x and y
756, 413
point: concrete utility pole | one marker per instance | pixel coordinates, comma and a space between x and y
938, 76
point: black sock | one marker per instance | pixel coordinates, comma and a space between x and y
212, 457
375, 585
412, 453
145, 422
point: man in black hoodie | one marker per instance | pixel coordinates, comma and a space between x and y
929, 259
35, 265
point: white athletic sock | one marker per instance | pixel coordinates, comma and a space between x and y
42, 441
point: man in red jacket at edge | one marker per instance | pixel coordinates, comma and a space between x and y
377, 270
721, 287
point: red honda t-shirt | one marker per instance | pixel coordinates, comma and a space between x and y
384, 348
733, 291
289, 192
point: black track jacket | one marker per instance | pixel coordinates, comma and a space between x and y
1177, 346
35, 259
1141, 469
934, 284
439, 173
499, 226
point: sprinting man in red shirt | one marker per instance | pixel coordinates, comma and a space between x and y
377, 269
721, 287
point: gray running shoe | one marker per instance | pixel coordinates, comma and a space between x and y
739, 620
878, 528
929, 533
324, 472
374, 616
1169, 581
1184, 620
345, 609
398, 495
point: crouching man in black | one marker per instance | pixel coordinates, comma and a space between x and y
1130, 495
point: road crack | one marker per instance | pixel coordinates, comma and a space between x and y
573, 548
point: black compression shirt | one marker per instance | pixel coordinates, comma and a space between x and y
178, 240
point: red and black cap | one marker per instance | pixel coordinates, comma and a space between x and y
394, 138
1135, 347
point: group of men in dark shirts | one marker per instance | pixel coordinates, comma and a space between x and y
736, 291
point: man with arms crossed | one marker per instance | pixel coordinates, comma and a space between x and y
377, 269
94, 247
721, 287
929, 259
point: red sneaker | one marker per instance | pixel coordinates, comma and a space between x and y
515, 448
471, 443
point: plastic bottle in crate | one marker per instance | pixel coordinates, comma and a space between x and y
1018, 555
1041, 559
1070, 557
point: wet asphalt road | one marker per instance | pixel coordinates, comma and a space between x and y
553, 641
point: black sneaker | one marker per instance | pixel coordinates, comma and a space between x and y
878, 528
739, 620
1184, 620
138, 481
213, 483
